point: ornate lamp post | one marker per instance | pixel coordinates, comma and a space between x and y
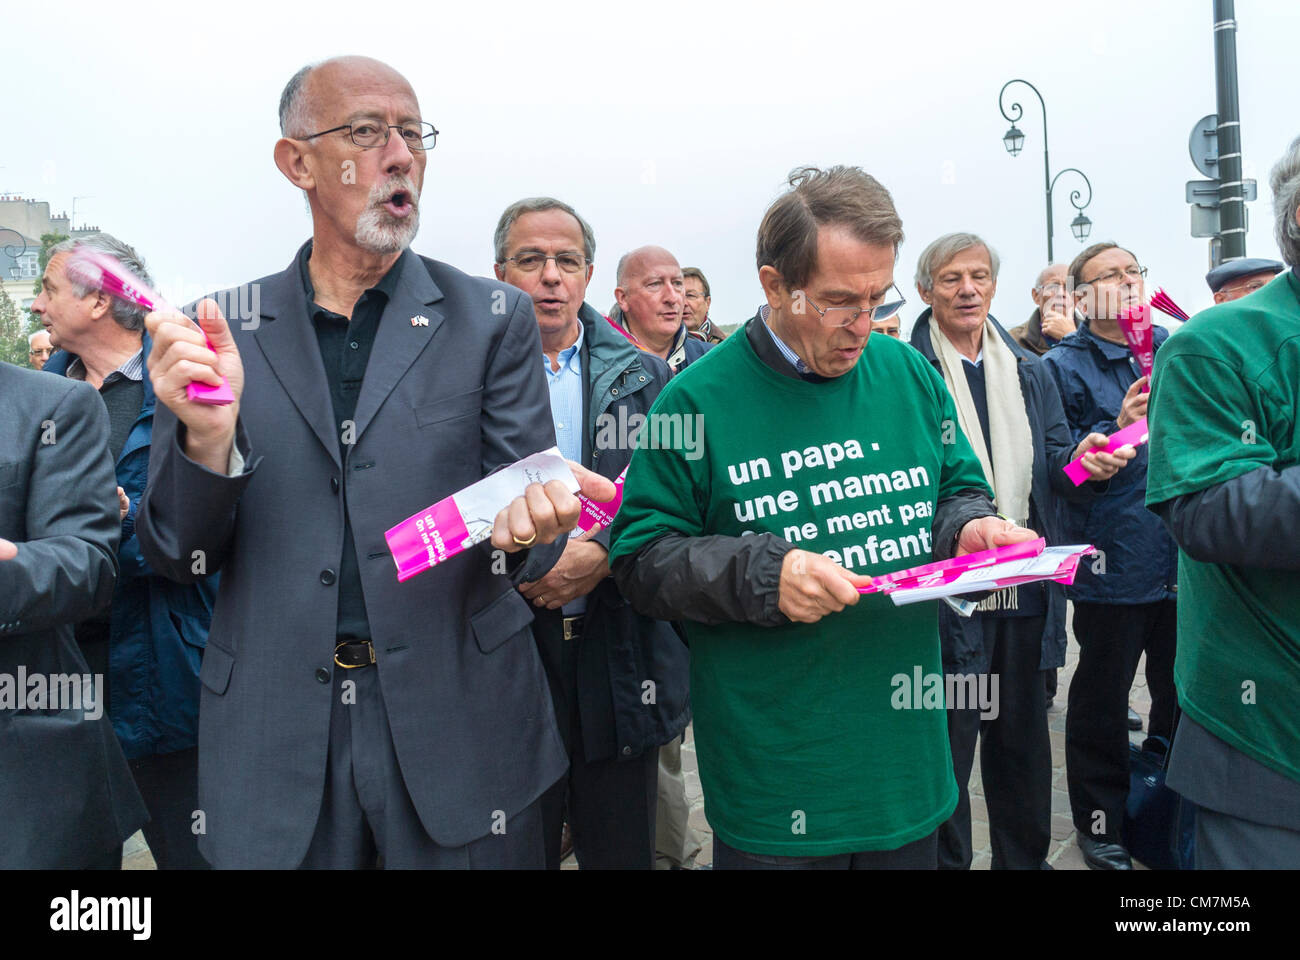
1014, 141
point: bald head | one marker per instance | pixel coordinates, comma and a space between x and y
634, 262
651, 294
321, 83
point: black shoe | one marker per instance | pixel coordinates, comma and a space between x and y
1134, 721
1103, 854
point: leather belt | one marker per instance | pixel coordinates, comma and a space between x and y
350, 654
572, 626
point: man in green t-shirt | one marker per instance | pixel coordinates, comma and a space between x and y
1224, 475
819, 713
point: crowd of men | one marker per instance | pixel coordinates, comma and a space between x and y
262, 692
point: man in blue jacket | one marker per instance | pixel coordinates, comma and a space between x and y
1124, 601
150, 644
1010, 411
619, 681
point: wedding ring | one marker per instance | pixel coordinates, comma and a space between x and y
525, 543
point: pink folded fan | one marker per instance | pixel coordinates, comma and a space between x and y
100, 270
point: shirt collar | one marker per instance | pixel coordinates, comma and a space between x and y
387, 283
132, 368
786, 352
1109, 350
570, 357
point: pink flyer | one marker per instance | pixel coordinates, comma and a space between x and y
1135, 434
456, 523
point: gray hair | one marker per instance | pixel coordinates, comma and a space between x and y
941, 252
129, 315
1284, 179
31, 337
294, 114
539, 205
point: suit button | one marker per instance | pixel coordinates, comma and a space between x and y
327, 577
627, 751
322, 675
334, 484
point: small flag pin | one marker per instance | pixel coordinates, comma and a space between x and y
419, 321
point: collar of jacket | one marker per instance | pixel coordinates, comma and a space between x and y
1085, 339
676, 354
612, 365
61, 359
293, 353
1034, 330
920, 339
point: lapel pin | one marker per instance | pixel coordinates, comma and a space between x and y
419, 321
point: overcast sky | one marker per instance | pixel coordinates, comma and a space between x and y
668, 123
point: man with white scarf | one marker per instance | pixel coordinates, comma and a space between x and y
1009, 409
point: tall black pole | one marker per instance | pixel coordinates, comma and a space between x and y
1232, 204
1047, 180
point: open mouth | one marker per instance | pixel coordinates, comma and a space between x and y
400, 204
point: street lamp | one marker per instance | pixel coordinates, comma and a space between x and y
14, 249
1014, 141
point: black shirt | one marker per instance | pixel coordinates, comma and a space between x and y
345, 350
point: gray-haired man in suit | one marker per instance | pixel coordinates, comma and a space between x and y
66, 795
347, 719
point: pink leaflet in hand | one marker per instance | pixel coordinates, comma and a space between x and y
96, 269
943, 571
1135, 434
594, 513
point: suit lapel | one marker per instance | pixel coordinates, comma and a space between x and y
289, 344
398, 341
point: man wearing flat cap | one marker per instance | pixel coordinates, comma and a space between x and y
1236, 278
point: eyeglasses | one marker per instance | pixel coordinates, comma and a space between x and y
1132, 274
371, 132
532, 262
46, 352
1052, 289
843, 316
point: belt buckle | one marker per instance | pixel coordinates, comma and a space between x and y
352, 666
568, 623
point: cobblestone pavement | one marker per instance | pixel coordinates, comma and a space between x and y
1063, 854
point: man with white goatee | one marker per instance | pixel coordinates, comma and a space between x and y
347, 719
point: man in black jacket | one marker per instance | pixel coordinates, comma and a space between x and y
618, 680
1011, 412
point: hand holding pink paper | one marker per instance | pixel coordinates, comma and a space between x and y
96, 269
1135, 434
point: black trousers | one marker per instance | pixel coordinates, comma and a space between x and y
169, 783
1111, 640
610, 804
1015, 754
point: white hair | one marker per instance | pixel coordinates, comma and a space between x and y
1284, 180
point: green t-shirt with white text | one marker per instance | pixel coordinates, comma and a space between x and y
826, 738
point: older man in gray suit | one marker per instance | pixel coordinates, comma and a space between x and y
66, 796
347, 719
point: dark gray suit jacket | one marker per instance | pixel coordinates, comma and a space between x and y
441, 406
67, 797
